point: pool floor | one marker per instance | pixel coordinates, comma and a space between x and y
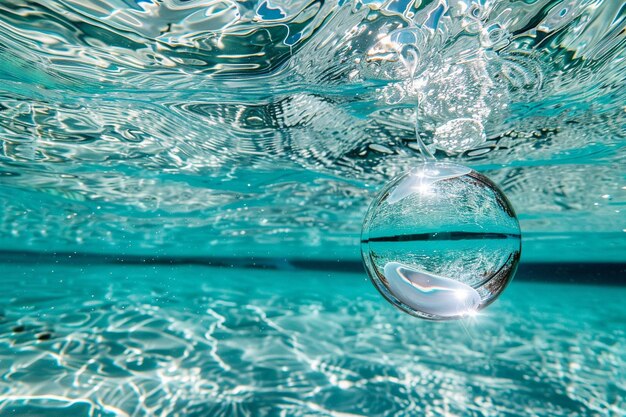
199, 341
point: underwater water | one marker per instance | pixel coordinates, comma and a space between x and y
183, 185
201, 341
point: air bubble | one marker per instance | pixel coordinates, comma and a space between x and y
441, 241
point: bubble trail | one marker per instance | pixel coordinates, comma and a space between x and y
441, 241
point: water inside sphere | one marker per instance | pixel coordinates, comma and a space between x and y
441, 241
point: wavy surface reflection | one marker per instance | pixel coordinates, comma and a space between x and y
207, 125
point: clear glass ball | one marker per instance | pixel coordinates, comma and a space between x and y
441, 241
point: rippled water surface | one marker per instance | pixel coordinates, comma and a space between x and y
263, 128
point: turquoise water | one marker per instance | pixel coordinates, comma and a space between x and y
202, 341
183, 185
197, 127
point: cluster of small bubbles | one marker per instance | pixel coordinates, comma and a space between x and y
456, 100
413, 47
458, 135
455, 103
441, 241
494, 37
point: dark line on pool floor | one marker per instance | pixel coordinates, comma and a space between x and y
415, 237
600, 273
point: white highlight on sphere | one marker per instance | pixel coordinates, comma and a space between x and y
419, 290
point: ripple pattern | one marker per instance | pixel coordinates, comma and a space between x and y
206, 116
208, 341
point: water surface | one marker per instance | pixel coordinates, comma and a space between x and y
255, 128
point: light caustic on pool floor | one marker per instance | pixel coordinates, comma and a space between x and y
197, 342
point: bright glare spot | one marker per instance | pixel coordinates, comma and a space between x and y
461, 295
472, 313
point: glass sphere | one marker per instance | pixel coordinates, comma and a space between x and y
441, 241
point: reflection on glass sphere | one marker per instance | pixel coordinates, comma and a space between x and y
441, 241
